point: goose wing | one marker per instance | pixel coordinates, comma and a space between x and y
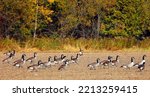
61, 67
6, 59
91, 64
18, 61
30, 58
114, 61
103, 61
131, 64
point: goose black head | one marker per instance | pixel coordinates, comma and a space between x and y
132, 58
55, 57
62, 56
23, 56
98, 60
144, 57
39, 62
77, 55
49, 58
117, 57
109, 57
35, 54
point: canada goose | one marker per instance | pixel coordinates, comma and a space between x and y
106, 62
130, 64
114, 62
7, 53
34, 67
13, 53
74, 60
20, 62
80, 52
8, 59
92, 66
10, 53
141, 65
54, 62
48, 63
64, 65
31, 59
59, 60
143, 60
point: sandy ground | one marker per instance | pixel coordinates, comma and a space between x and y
80, 71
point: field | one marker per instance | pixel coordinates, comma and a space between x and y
79, 71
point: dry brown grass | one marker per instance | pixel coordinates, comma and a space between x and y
73, 45
79, 72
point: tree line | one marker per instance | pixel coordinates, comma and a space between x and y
23, 19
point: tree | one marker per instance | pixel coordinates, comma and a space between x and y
18, 16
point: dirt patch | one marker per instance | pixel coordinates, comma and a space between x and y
80, 71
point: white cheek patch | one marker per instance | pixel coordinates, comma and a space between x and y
31, 68
18, 65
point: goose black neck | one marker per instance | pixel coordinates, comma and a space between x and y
117, 58
97, 60
132, 59
77, 56
143, 57
23, 57
49, 59
55, 58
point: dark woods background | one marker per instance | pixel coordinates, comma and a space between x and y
88, 19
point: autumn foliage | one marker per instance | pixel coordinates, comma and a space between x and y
21, 19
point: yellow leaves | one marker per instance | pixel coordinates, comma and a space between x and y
50, 1
103, 26
34, 1
45, 11
48, 19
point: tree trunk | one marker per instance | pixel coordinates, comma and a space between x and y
36, 20
98, 25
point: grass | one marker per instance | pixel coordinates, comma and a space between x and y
70, 44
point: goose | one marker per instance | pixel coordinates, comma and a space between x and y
8, 59
31, 59
92, 66
53, 63
20, 62
10, 53
59, 60
64, 65
34, 67
7, 53
143, 60
130, 64
141, 65
74, 60
48, 63
114, 62
106, 62
80, 52
13, 53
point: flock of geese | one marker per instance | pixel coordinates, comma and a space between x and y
64, 62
